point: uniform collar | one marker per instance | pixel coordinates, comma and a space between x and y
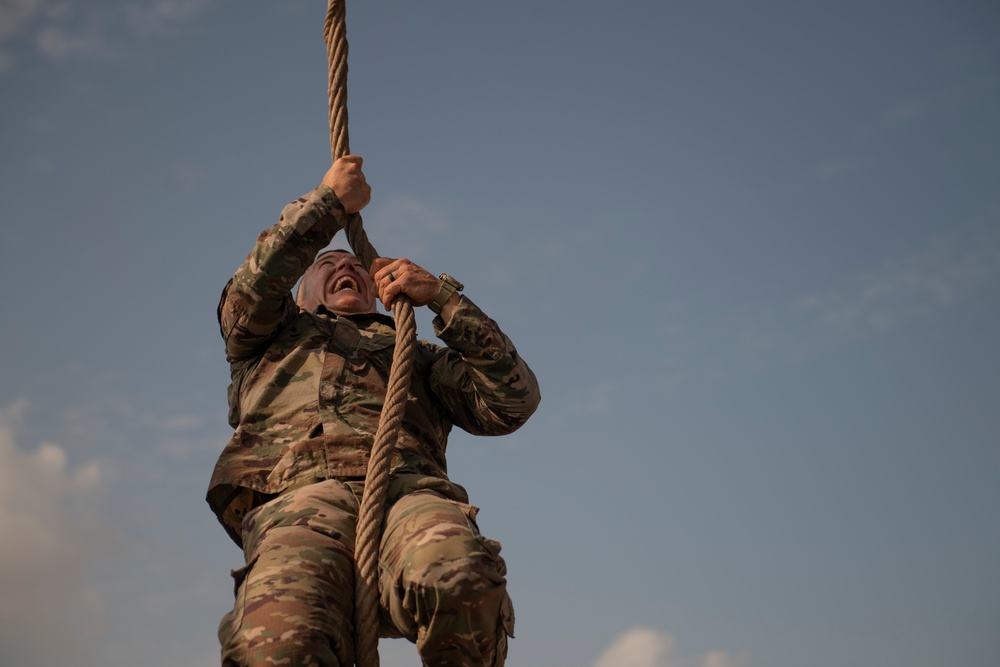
360, 319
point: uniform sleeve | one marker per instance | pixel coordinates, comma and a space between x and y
483, 383
257, 301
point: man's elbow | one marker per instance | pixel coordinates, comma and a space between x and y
514, 413
530, 396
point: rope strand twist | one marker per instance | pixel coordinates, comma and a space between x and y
366, 610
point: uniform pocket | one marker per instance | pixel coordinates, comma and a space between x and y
378, 351
492, 549
233, 620
505, 620
505, 630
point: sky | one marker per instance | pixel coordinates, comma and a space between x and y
751, 251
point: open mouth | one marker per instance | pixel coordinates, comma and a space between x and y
344, 282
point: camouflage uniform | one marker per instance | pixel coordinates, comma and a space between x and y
306, 394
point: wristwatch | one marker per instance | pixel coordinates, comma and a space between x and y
448, 287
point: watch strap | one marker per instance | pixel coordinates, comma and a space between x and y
449, 286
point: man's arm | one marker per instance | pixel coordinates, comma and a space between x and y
486, 386
257, 301
482, 382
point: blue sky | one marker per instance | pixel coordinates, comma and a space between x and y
752, 251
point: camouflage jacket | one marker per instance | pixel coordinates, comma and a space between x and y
307, 388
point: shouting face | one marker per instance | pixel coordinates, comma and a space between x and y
338, 281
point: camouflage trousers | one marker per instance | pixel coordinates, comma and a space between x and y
441, 582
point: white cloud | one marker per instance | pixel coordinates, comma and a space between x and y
902, 289
15, 14
62, 43
163, 16
950, 270
646, 647
639, 647
64, 31
910, 114
51, 531
58, 30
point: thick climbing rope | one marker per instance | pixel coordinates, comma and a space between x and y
366, 598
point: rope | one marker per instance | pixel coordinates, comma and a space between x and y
366, 610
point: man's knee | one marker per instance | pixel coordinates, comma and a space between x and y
454, 582
462, 610
448, 590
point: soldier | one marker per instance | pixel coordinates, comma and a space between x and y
308, 382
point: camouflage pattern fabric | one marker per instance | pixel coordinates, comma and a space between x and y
441, 582
308, 388
306, 394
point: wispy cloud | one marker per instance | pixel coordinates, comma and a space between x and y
646, 647
918, 108
908, 287
163, 16
407, 225
15, 14
64, 31
50, 516
585, 402
946, 269
186, 176
910, 114
62, 42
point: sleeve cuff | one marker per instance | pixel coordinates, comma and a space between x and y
471, 332
320, 206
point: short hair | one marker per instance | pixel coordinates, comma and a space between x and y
327, 252
298, 290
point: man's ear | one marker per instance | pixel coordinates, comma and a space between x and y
299, 288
